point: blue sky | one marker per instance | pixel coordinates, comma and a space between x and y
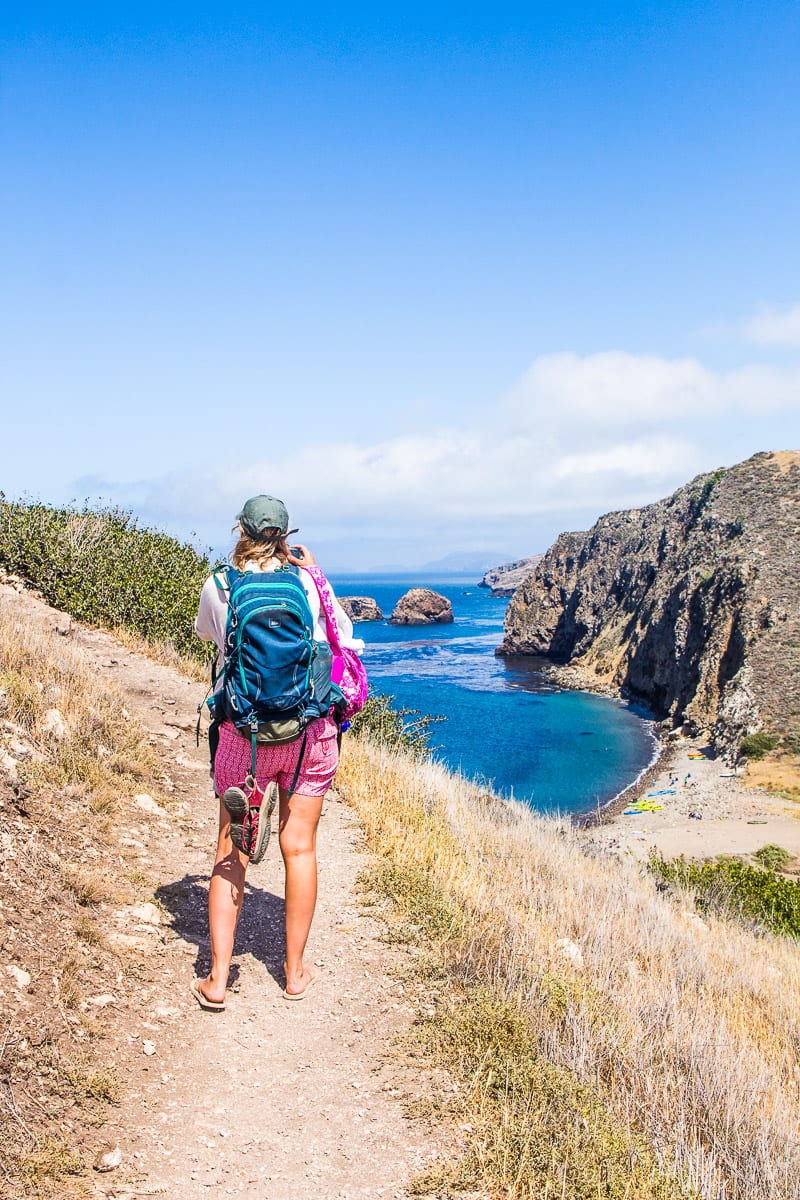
442, 278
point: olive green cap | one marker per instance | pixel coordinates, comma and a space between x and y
264, 512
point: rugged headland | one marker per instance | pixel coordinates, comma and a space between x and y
505, 579
689, 604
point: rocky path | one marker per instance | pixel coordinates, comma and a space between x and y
267, 1099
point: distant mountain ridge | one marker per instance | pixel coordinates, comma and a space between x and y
690, 604
466, 562
458, 562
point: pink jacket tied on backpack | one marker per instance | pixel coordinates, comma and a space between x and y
347, 671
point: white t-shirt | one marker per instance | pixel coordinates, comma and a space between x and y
212, 616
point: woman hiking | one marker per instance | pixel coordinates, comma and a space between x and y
294, 773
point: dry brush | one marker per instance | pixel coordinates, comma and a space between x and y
610, 1041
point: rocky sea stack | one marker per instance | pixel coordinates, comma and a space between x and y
689, 604
421, 606
505, 579
361, 608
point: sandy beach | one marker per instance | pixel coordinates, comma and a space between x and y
705, 810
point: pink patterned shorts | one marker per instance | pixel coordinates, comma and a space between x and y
321, 758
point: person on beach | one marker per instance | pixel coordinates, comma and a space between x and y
301, 770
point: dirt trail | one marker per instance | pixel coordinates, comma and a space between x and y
267, 1099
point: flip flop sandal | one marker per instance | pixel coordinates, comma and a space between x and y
300, 995
203, 1000
261, 822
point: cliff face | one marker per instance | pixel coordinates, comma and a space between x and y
505, 579
690, 604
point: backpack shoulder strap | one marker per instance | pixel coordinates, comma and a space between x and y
224, 571
224, 584
326, 602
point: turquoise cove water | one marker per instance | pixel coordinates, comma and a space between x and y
506, 726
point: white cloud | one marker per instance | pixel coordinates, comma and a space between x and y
758, 389
774, 327
613, 389
645, 458
576, 435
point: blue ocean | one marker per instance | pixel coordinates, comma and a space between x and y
505, 725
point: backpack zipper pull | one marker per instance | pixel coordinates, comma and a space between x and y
253, 745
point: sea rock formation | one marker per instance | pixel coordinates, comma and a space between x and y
689, 604
505, 579
361, 608
421, 606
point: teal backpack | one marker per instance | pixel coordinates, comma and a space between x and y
276, 677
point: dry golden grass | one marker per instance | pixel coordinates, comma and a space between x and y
51, 1171
89, 887
68, 975
665, 1064
88, 930
785, 459
778, 772
95, 748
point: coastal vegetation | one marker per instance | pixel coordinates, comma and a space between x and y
756, 745
598, 1033
101, 566
605, 1039
404, 729
760, 897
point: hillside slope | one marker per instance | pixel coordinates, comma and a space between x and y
689, 604
553, 1005
103, 892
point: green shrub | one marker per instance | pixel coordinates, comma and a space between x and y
431, 913
396, 728
102, 567
701, 497
756, 745
773, 857
732, 888
712, 481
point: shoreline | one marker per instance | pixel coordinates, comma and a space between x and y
700, 808
665, 753
575, 679
704, 808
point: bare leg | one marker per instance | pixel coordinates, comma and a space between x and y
298, 841
225, 896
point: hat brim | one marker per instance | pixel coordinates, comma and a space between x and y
244, 529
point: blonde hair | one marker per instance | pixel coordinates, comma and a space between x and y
269, 544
